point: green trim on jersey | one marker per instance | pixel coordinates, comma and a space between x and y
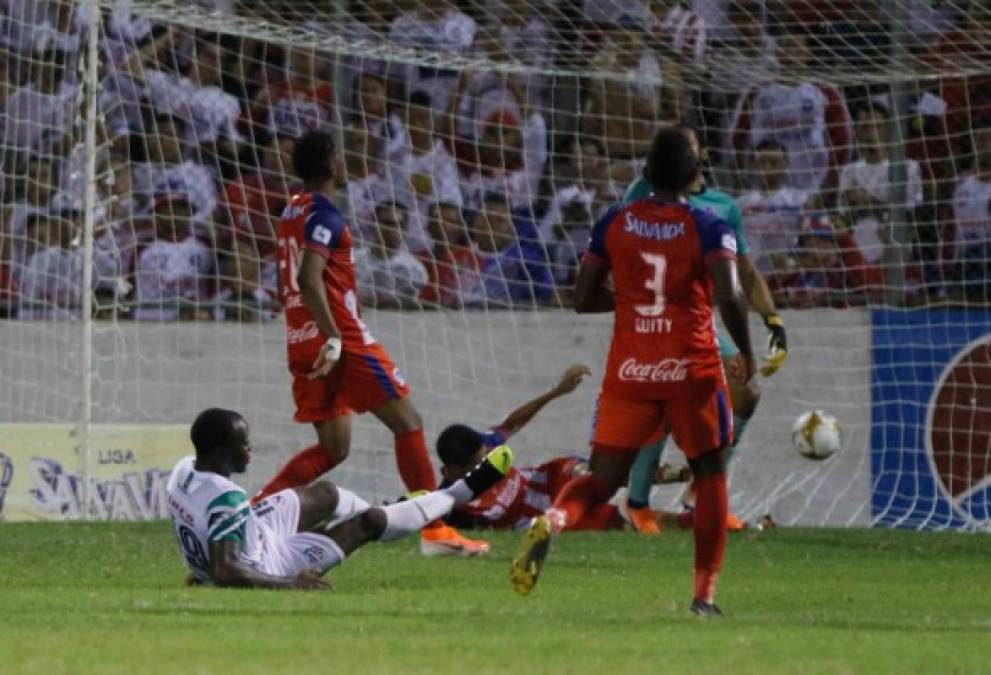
716, 202
226, 516
231, 499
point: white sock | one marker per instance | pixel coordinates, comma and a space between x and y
409, 516
348, 504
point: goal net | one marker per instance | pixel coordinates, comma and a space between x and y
479, 144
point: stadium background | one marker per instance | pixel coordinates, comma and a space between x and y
538, 115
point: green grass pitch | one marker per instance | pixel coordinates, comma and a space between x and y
108, 598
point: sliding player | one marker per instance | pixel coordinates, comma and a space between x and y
524, 493
280, 542
745, 396
337, 366
663, 365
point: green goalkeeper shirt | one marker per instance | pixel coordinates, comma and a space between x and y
714, 201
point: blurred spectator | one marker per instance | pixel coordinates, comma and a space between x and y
684, 31
38, 114
371, 111
566, 229
161, 167
508, 152
514, 272
34, 198
194, 93
743, 56
438, 27
772, 213
172, 272
51, 286
972, 218
624, 111
865, 189
116, 239
433, 172
255, 200
366, 182
9, 291
244, 296
388, 275
452, 262
818, 275
521, 31
584, 165
300, 100
809, 120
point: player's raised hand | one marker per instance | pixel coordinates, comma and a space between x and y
310, 581
777, 346
571, 378
330, 354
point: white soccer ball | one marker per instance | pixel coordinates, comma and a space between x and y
816, 435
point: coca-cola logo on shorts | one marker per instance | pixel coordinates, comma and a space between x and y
665, 370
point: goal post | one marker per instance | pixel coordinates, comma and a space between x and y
147, 153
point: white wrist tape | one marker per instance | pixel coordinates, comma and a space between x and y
332, 348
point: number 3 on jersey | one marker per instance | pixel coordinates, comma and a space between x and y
655, 283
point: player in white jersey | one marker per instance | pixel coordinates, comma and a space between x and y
282, 541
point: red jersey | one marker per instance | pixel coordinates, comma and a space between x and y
663, 333
311, 221
522, 495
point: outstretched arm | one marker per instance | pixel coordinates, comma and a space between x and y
733, 308
520, 417
227, 570
761, 300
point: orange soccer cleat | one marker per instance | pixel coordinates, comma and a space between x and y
643, 520
734, 523
440, 539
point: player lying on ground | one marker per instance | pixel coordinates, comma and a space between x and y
663, 367
292, 537
744, 394
523, 493
336, 364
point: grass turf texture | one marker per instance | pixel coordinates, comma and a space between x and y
108, 598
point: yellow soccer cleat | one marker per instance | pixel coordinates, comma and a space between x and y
533, 551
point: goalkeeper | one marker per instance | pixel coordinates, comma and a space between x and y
744, 395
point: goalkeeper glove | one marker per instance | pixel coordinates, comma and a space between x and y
777, 345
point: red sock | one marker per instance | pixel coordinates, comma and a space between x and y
686, 520
601, 517
580, 495
711, 507
304, 468
414, 461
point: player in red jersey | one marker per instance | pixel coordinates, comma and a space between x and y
524, 493
337, 366
665, 257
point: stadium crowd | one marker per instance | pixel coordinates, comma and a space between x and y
478, 187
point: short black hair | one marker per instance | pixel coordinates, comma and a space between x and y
671, 164
497, 198
213, 428
313, 156
457, 445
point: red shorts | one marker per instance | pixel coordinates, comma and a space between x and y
358, 383
699, 417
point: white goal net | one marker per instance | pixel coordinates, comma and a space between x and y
143, 173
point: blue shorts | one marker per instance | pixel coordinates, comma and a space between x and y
727, 349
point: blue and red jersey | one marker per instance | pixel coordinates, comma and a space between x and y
311, 221
663, 332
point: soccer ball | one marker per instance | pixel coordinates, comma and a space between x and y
816, 435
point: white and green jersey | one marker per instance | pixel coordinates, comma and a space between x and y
205, 507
